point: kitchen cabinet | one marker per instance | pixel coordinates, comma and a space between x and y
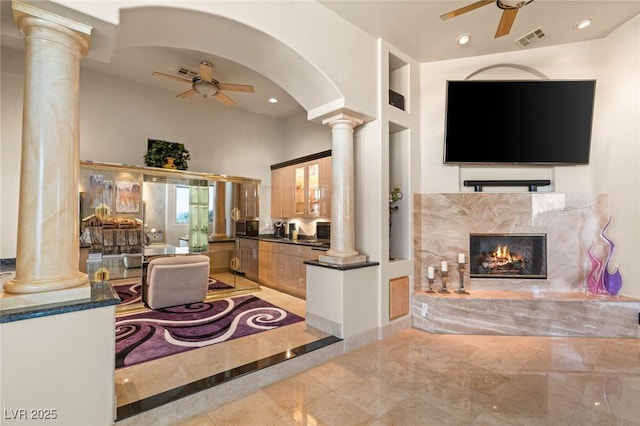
313, 188
248, 257
220, 255
282, 266
302, 188
324, 184
282, 192
248, 200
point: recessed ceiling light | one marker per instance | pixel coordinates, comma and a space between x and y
463, 39
273, 100
583, 23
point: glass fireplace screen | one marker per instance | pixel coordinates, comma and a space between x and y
508, 256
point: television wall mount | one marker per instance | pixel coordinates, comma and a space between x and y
531, 184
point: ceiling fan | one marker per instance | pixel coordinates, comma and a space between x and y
509, 11
205, 85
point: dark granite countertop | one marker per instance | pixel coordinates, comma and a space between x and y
212, 240
345, 267
102, 294
301, 241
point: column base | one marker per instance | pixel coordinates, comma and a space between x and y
12, 299
340, 260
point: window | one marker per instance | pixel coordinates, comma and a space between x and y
182, 204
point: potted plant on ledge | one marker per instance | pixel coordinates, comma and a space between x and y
395, 195
165, 154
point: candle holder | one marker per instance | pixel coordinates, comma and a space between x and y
430, 288
444, 276
461, 268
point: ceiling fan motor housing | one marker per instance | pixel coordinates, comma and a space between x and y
506, 4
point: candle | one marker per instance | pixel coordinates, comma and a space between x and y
460, 257
430, 272
443, 266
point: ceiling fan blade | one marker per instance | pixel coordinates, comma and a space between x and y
206, 71
465, 9
224, 99
169, 76
236, 87
187, 93
506, 21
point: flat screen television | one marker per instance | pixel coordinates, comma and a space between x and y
519, 121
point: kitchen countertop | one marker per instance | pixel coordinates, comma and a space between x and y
213, 240
301, 241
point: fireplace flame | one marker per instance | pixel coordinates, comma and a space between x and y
502, 252
502, 258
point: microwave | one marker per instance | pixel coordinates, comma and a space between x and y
323, 231
248, 227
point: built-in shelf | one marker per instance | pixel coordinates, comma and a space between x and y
399, 118
399, 85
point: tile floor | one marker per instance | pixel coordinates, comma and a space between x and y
416, 378
148, 379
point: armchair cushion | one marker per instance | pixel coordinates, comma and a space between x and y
176, 280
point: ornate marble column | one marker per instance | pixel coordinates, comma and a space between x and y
342, 192
47, 250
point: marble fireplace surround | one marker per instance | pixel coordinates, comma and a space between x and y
555, 306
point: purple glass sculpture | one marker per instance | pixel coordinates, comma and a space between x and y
594, 284
611, 281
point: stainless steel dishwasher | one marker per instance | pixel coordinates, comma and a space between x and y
246, 258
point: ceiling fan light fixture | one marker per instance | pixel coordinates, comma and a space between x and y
463, 39
512, 4
205, 88
583, 23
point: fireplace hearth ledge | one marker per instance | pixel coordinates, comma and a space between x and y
529, 313
532, 295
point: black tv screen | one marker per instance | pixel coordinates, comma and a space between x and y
516, 121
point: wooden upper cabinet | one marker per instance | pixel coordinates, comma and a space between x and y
313, 188
325, 187
287, 192
276, 193
302, 189
282, 192
249, 203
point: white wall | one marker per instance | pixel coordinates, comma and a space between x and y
572, 61
117, 116
622, 114
615, 151
289, 42
63, 363
303, 137
12, 84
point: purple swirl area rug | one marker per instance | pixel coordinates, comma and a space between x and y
130, 293
162, 332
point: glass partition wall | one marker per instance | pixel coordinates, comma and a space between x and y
129, 215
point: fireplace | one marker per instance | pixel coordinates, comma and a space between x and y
508, 256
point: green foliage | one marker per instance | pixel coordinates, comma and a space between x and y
395, 194
158, 151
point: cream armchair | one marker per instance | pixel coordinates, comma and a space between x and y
176, 280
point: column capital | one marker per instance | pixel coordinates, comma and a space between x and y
26, 16
342, 118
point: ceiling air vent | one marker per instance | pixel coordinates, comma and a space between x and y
531, 37
187, 73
